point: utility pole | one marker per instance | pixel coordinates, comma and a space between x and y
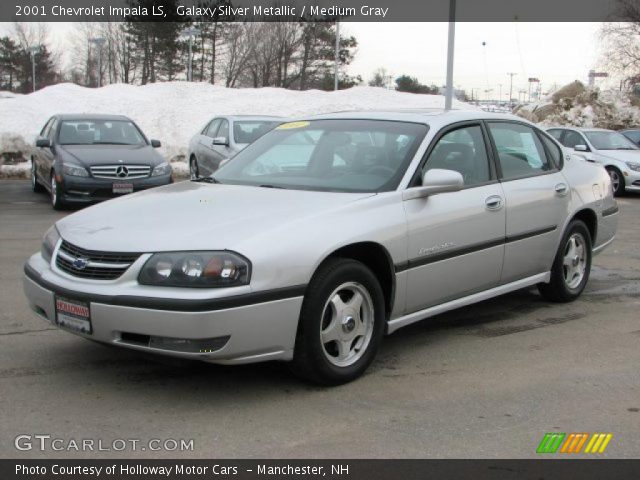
190, 32
99, 42
511, 74
33, 51
448, 99
337, 56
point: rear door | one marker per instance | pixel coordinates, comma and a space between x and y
206, 153
456, 239
536, 194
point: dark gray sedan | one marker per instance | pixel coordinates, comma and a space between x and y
82, 159
222, 138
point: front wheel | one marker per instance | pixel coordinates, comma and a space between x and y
617, 181
572, 265
341, 323
193, 168
56, 194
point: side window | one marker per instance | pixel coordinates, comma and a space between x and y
571, 139
52, 130
212, 128
555, 133
554, 151
520, 151
464, 151
223, 131
47, 127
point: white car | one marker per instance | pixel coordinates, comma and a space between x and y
619, 155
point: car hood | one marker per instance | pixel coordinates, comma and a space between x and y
194, 216
621, 155
88, 155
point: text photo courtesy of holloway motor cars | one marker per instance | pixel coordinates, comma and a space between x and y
304, 239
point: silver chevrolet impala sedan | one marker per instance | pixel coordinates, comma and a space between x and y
326, 234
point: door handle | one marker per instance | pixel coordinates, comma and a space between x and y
494, 202
561, 189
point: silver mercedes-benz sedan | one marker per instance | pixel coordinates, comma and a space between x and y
326, 234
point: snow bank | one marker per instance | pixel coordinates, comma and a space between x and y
580, 106
19, 170
173, 112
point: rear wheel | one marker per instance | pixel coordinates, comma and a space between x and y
193, 168
36, 186
571, 268
56, 194
617, 180
341, 323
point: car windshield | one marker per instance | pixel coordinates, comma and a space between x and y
328, 155
610, 141
99, 132
245, 131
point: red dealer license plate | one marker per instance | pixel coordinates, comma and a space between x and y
122, 187
73, 315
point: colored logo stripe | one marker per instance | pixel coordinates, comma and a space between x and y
550, 442
598, 443
574, 443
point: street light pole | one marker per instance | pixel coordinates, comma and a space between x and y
511, 74
99, 42
448, 99
33, 51
190, 32
337, 56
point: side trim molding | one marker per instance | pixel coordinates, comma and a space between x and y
405, 320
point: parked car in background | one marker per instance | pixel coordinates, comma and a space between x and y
222, 138
632, 134
325, 234
619, 155
81, 159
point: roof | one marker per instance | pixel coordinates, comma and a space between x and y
580, 129
250, 117
426, 116
91, 116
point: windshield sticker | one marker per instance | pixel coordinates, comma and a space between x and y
292, 125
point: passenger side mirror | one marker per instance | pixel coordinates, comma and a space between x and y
221, 141
435, 181
43, 143
581, 148
156, 143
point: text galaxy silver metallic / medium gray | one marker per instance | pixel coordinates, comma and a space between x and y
325, 234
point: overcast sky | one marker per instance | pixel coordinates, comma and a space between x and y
556, 53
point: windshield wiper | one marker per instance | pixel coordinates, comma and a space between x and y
271, 186
209, 179
112, 143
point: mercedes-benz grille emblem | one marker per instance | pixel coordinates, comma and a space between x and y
80, 263
122, 172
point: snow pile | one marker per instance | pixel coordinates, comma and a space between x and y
173, 112
19, 170
580, 106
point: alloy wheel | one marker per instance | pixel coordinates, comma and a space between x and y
574, 260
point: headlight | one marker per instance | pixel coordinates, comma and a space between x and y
196, 269
633, 166
74, 170
163, 169
49, 243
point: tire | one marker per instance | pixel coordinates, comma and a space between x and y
36, 186
56, 201
570, 271
617, 181
194, 171
330, 309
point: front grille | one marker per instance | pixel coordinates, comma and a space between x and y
94, 265
120, 172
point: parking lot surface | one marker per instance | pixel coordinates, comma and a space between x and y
487, 381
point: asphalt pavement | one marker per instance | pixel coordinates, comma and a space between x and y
487, 381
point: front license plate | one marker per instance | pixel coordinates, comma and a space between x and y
73, 315
122, 187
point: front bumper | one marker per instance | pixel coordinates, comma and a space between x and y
631, 180
251, 332
84, 190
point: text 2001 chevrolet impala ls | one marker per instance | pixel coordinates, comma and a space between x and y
324, 235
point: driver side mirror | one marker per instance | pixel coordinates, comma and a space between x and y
581, 148
156, 143
43, 143
435, 181
221, 141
